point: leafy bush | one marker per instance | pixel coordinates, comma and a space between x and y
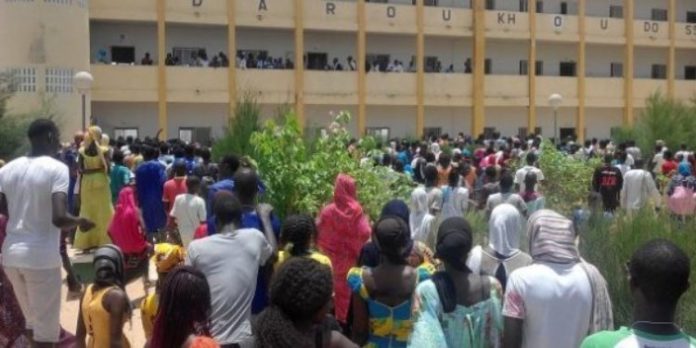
240, 128
301, 180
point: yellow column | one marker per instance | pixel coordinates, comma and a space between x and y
671, 68
299, 63
531, 69
580, 122
478, 120
420, 72
628, 63
362, 51
162, 121
232, 55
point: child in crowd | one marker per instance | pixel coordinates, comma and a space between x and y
189, 211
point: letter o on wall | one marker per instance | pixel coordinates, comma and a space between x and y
558, 23
391, 12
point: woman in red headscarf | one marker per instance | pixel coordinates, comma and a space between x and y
343, 230
126, 226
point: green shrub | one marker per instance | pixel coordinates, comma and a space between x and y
240, 128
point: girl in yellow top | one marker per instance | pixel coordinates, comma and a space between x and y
297, 238
95, 191
105, 306
167, 256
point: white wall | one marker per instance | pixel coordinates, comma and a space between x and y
684, 58
143, 36
335, 44
682, 7
599, 59
553, 54
401, 120
212, 38
600, 121
566, 119
600, 8
197, 115
506, 120
449, 51
400, 47
506, 56
278, 42
645, 57
110, 115
644, 8
451, 120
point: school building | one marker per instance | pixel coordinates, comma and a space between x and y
420, 66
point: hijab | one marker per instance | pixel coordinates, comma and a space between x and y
420, 218
504, 229
398, 208
552, 238
454, 242
93, 135
369, 255
108, 266
124, 229
346, 206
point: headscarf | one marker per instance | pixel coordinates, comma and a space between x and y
453, 239
346, 206
398, 208
105, 140
420, 219
93, 135
167, 256
125, 230
392, 234
684, 169
552, 238
504, 230
109, 264
369, 255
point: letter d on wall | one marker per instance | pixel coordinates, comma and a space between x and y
196, 3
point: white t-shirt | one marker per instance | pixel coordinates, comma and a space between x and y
28, 184
522, 173
189, 211
553, 300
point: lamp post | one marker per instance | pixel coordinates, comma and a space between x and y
83, 83
555, 101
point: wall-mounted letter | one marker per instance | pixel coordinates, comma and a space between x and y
330, 8
262, 5
197, 3
604, 23
391, 11
447, 14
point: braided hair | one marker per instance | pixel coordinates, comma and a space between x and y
299, 291
184, 306
297, 234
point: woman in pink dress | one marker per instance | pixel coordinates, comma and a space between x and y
343, 230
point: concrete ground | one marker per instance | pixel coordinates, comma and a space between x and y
133, 329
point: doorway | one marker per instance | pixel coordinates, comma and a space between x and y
317, 61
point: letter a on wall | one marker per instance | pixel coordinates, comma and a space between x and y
262, 5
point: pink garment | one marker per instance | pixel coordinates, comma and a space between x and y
682, 201
343, 230
125, 230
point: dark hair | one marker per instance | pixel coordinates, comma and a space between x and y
179, 167
246, 183
42, 127
205, 154
444, 160
491, 172
231, 162
164, 148
299, 290
430, 174
117, 157
531, 158
135, 148
184, 307
453, 178
506, 182
392, 236
667, 155
193, 181
149, 153
660, 270
227, 209
429, 157
298, 230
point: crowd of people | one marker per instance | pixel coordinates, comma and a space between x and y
232, 273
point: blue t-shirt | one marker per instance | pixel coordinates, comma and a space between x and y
149, 184
250, 219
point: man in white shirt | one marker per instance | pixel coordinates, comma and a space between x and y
188, 210
230, 261
522, 173
30, 188
551, 303
639, 189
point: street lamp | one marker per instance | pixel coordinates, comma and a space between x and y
555, 101
83, 83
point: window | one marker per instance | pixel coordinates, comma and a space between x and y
378, 61
690, 16
490, 4
125, 132
616, 11
187, 55
524, 5
659, 71
317, 61
567, 133
616, 69
690, 72
123, 54
659, 14
539, 67
524, 67
488, 66
564, 8
59, 80
379, 133
432, 131
540, 6
567, 69
195, 135
22, 79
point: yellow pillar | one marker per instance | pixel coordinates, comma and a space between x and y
531, 69
162, 121
299, 63
362, 51
478, 120
671, 63
580, 121
420, 72
231, 54
628, 63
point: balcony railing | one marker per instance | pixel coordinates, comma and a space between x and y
504, 90
197, 85
448, 89
391, 88
331, 87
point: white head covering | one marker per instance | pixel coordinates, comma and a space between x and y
504, 229
420, 218
435, 148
